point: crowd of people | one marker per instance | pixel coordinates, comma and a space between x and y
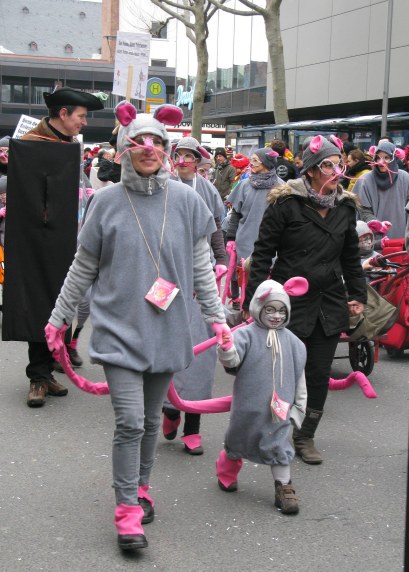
145, 259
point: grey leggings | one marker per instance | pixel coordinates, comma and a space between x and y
137, 400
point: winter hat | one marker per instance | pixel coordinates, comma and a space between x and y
239, 161
3, 185
205, 161
317, 149
220, 151
267, 156
193, 145
362, 228
4, 141
385, 180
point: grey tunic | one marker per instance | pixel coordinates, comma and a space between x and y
127, 330
386, 205
252, 433
250, 203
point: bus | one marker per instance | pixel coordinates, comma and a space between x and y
362, 130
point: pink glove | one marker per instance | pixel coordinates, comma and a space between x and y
384, 241
3, 212
378, 226
54, 337
224, 336
221, 270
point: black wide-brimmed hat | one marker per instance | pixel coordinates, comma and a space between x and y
68, 96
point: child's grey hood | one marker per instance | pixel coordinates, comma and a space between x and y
268, 291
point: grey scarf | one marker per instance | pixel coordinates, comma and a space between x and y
384, 181
321, 201
263, 180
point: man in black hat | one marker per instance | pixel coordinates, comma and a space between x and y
67, 116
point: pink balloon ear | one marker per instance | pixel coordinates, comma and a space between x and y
316, 143
125, 112
296, 286
273, 153
372, 150
399, 153
336, 141
264, 295
168, 114
203, 152
374, 225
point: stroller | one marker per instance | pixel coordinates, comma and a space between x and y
392, 283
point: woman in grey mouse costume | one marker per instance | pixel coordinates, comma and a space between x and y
196, 381
269, 391
143, 249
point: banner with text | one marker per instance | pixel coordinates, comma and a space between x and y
132, 54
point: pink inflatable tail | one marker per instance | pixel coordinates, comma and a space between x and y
354, 377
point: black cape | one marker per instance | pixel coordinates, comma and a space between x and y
41, 233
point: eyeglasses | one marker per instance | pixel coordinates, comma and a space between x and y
140, 140
329, 168
379, 159
255, 163
186, 157
202, 171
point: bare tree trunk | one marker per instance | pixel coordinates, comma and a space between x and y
200, 86
276, 52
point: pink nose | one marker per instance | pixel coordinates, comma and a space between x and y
148, 143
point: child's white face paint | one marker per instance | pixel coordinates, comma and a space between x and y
273, 315
365, 244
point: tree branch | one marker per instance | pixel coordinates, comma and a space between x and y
162, 5
170, 3
255, 10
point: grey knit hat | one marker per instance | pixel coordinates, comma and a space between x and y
362, 228
267, 156
4, 141
317, 149
189, 143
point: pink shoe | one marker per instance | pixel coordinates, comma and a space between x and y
193, 444
170, 427
227, 471
128, 522
146, 502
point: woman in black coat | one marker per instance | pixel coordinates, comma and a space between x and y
310, 226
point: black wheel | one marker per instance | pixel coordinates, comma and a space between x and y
362, 356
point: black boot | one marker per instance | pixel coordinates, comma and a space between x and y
303, 438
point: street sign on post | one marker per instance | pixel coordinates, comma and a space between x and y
155, 94
131, 65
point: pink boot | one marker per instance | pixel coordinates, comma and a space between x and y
146, 502
227, 471
128, 522
170, 427
193, 444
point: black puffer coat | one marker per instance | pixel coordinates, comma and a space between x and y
323, 250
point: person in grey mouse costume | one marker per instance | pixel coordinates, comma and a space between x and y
142, 238
269, 391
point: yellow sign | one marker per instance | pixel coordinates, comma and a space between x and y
155, 88
154, 100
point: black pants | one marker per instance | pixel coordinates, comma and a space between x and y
40, 358
192, 420
320, 354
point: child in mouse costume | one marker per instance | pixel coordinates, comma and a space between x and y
269, 391
143, 255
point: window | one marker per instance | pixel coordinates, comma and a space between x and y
14, 90
25, 10
82, 14
68, 49
159, 30
159, 63
33, 46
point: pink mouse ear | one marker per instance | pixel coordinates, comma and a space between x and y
316, 143
125, 112
296, 286
273, 153
399, 153
203, 152
168, 114
372, 150
336, 141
